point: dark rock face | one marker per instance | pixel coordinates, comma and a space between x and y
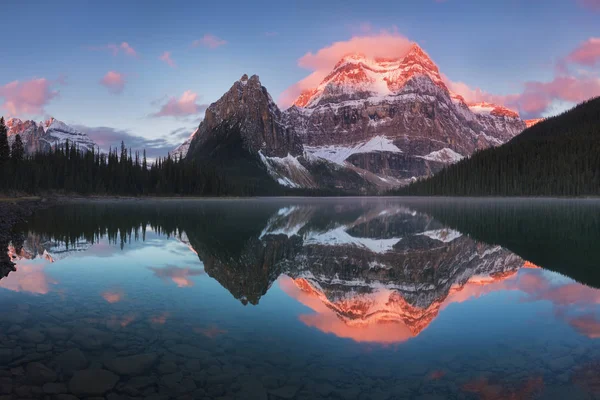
393, 164
249, 108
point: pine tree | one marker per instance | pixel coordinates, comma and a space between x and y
18, 150
4, 148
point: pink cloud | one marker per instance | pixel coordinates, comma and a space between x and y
384, 44
27, 97
588, 52
29, 277
114, 82
180, 276
476, 95
113, 296
181, 107
590, 4
123, 47
166, 57
271, 34
210, 41
536, 97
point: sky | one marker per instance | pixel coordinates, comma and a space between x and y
144, 72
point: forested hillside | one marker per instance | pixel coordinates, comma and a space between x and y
67, 169
557, 157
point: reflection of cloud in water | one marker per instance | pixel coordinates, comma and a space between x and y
487, 390
181, 276
28, 277
120, 321
211, 331
587, 325
113, 296
159, 319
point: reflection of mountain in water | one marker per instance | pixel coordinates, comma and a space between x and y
389, 265
38, 246
374, 271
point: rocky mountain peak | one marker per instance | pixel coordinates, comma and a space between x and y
357, 76
249, 108
492, 109
415, 63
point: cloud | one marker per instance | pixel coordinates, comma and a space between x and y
383, 44
116, 49
114, 82
183, 106
106, 137
535, 99
590, 4
27, 97
271, 34
31, 278
588, 52
113, 296
166, 57
180, 134
210, 41
538, 98
180, 276
476, 95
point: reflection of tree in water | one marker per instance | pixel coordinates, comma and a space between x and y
559, 235
247, 244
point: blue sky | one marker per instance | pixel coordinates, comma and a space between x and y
512, 47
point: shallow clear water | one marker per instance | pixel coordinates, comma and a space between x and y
305, 298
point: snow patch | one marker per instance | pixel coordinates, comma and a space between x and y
446, 155
287, 171
338, 154
443, 235
339, 237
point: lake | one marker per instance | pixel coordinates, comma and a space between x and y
350, 298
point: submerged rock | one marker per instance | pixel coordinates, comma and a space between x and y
132, 365
92, 382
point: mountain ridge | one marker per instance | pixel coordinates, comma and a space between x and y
385, 122
44, 135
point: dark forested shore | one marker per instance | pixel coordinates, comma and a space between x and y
560, 156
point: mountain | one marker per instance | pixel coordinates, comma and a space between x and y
244, 135
531, 122
370, 125
182, 149
42, 136
555, 157
403, 106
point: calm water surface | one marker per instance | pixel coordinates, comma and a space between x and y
304, 299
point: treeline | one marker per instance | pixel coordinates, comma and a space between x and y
67, 170
557, 157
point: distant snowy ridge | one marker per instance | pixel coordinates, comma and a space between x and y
45, 135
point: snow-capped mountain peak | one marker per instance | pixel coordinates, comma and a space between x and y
357, 76
44, 135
